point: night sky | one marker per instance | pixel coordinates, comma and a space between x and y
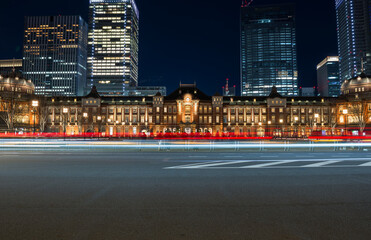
188, 41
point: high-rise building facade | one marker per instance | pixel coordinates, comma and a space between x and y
55, 54
307, 91
268, 50
113, 45
354, 37
328, 80
146, 91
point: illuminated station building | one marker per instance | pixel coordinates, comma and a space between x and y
268, 49
113, 46
55, 54
189, 110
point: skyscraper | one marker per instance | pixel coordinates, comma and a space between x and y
328, 80
55, 54
354, 37
113, 45
268, 50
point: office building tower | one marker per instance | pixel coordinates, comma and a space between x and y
113, 46
55, 54
354, 37
7, 66
268, 50
328, 79
146, 91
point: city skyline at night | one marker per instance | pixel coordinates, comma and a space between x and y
203, 44
170, 120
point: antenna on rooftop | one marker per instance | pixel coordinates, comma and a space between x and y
13, 65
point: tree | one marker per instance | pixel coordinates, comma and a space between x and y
6, 113
332, 120
358, 109
43, 115
9, 102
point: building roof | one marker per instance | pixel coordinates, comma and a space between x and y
187, 89
93, 93
274, 93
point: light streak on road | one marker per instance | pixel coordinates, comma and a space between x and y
172, 145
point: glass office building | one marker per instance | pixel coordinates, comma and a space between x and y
328, 80
354, 37
113, 46
55, 54
268, 50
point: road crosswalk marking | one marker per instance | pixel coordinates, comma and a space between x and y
368, 164
267, 164
321, 164
293, 163
216, 164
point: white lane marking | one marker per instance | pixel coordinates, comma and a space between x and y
365, 165
215, 164
320, 164
233, 156
268, 164
193, 164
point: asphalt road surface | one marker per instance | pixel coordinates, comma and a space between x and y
85, 195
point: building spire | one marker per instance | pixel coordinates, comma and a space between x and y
13, 65
227, 86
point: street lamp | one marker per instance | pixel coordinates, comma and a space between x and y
35, 104
85, 115
65, 112
99, 118
345, 112
282, 130
296, 119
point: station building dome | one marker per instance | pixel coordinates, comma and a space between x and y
15, 83
360, 85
